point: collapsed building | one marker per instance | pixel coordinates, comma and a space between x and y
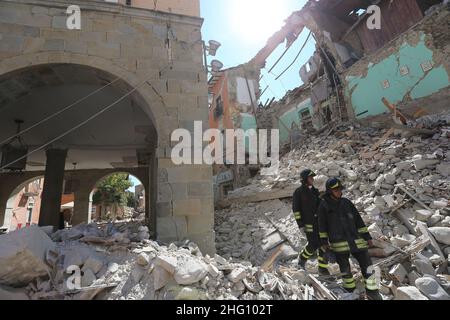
353, 68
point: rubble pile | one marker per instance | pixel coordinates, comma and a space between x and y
252, 232
110, 262
398, 181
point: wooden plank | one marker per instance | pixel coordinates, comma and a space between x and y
419, 113
416, 246
327, 294
414, 130
394, 110
268, 264
401, 187
383, 139
424, 230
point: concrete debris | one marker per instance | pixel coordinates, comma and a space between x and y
160, 277
143, 259
22, 256
189, 271
88, 278
237, 275
409, 293
169, 263
423, 265
423, 215
442, 234
148, 270
431, 289
7, 293
93, 264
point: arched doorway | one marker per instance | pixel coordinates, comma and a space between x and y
119, 196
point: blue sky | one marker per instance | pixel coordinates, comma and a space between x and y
243, 27
135, 181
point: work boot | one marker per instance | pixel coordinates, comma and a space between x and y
301, 263
324, 272
374, 295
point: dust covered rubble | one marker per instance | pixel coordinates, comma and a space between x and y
113, 267
396, 187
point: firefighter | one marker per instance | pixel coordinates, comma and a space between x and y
306, 201
342, 228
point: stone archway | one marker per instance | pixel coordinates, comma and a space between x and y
155, 109
125, 172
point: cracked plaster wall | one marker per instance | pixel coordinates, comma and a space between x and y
366, 83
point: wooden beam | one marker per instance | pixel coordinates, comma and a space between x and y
401, 187
424, 230
383, 139
400, 216
394, 110
268, 264
416, 246
327, 294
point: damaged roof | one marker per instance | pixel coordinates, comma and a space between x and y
341, 9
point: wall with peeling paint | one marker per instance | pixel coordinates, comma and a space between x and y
386, 79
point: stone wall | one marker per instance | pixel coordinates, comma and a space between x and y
185, 7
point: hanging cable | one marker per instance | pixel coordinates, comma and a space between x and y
279, 59
270, 89
74, 128
298, 55
58, 112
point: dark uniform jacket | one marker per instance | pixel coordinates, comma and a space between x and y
341, 225
304, 205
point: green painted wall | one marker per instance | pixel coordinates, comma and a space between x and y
292, 116
367, 91
248, 121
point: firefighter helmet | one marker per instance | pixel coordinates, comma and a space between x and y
305, 174
334, 183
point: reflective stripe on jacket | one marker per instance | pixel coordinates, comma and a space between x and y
305, 203
341, 225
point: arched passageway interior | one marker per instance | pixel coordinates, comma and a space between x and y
93, 123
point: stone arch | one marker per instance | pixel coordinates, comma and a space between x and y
149, 101
133, 173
